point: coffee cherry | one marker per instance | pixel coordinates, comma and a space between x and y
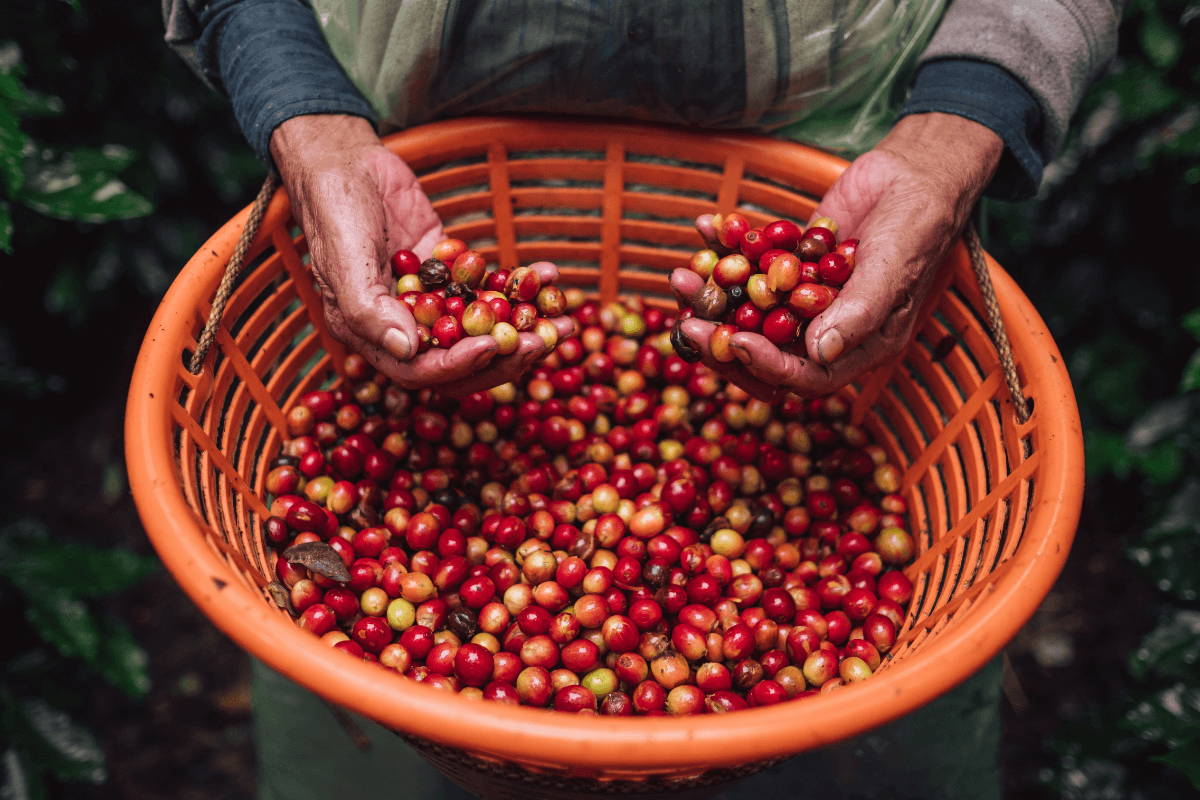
782, 234
703, 262
732, 270
815, 243
478, 319
834, 269
617, 517
523, 285
754, 244
405, 262
748, 316
731, 229
433, 274
551, 301
759, 291
784, 273
447, 331
895, 546
779, 326
468, 268
718, 344
473, 664
810, 299
711, 304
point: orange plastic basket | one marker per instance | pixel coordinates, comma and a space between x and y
994, 501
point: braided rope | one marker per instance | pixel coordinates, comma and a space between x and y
232, 270
991, 307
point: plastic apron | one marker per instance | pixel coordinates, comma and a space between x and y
848, 68
831, 73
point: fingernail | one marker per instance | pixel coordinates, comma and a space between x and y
740, 351
685, 348
396, 343
830, 345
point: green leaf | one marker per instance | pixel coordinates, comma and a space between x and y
12, 153
1161, 42
1171, 716
55, 741
64, 622
82, 185
1172, 650
1191, 323
1173, 562
1162, 463
79, 569
22, 101
1141, 92
1106, 453
120, 660
22, 781
1160, 422
1186, 759
1191, 374
1181, 513
6, 226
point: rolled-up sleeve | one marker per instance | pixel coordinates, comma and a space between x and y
1054, 48
269, 56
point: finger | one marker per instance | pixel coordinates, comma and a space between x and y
376, 356
771, 366
424, 246
851, 198
698, 332
547, 271
440, 365
566, 326
686, 285
347, 232
803, 376
530, 349
899, 249
411, 222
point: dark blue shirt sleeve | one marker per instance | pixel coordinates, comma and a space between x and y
271, 58
990, 95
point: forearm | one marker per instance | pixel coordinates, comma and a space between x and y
272, 60
301, 142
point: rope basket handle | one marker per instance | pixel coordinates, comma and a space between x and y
236, 261
991, 307
232, 270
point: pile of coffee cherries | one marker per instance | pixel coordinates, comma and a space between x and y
453, 294
620, 532
769, 280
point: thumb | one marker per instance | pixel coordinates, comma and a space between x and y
687, 286
361, 291
895, 254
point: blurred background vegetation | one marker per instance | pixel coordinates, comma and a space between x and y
116, 163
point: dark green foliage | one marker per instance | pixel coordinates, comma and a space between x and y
61, 588
1108, 255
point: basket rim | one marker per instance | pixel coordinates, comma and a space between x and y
537, 736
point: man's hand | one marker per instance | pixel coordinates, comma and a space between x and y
358, 203
904, 201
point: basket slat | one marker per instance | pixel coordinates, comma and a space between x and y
993, 501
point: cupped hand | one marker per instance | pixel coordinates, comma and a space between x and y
358, 203
904, 201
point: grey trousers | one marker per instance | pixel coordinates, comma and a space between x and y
947, 749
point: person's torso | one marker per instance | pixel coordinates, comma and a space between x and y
831, 72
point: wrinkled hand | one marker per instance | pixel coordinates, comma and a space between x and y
904, 201
357, 204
